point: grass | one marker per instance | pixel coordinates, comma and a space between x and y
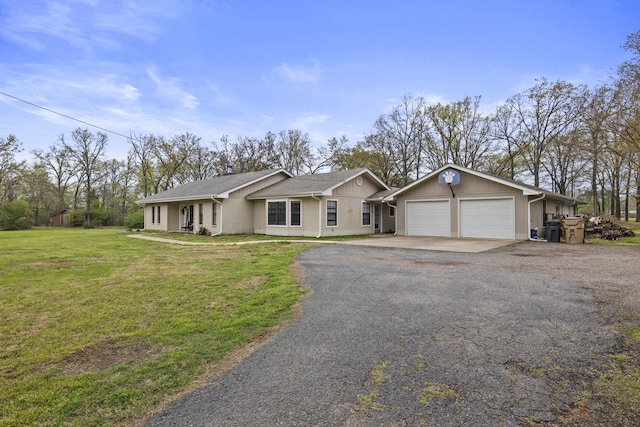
621, 383
432, 390
98, 329
239, 238
622, 241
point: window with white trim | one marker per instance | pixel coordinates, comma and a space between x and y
295, 206
366, 213
200, 214
158, 217
153, 214
332, 213
277, 213
214, 214
392, 211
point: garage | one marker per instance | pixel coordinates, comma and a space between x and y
429, 218
488, 218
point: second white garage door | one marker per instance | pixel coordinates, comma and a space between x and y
488, 218
431, 218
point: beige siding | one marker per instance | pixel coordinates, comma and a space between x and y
349, 196
308, 218
148, 217
388, 224
537, 217
234, 215
470, 187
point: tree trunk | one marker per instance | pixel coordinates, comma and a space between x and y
594, 186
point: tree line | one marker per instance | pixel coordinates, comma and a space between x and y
575, 140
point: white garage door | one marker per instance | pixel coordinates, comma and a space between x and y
429, 218
488, 218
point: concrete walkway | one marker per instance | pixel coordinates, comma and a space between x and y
382, 241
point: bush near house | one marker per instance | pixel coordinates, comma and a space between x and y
135, 219
15, 215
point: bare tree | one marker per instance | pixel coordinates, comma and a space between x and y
142, 151
38, 190
245, 155
87, 151
403, 133
294, 152
539, 115
564, 162
9, 167
460, 134
377, 153
596, 118
60, 165
200, 164
170, 157
627, 123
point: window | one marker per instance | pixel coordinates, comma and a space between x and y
276, 213
295, 213
366, 213
200, 213
214, 215
158, 217
392, 211
332, 213
153, 214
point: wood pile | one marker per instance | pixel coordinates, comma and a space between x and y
607, 227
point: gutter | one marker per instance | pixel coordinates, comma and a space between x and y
319, 216
529, 219
219, 203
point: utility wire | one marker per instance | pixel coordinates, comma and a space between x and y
63, 115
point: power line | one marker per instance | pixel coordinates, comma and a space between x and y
63, 115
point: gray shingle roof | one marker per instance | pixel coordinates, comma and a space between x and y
307, 185
219, 186
526, 188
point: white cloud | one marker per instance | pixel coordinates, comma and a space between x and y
220, 97
299, 73
85, 25
266, 120
170, 88
307, 121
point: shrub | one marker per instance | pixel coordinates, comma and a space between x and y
135, 219
15, 215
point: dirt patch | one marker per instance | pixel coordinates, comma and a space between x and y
107, 354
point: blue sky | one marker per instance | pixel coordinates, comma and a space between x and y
328, 68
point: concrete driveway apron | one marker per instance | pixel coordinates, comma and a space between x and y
506, 337
431, 243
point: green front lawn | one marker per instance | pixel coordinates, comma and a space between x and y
97, 328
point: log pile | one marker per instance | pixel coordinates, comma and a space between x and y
607, 227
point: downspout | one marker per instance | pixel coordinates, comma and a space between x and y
319, 216
529, 219
220, 228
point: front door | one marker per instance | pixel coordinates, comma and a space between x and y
376, 218
186, 217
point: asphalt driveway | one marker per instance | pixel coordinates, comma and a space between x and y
512, 336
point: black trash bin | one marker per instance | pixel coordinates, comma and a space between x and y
554, 228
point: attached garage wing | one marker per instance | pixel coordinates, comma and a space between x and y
429, 218
488, 218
